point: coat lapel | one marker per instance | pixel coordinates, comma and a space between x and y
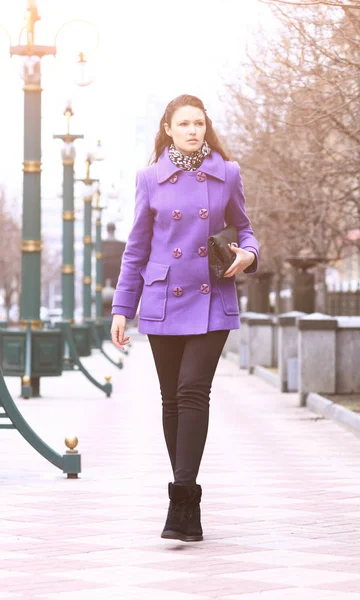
165, 168
214, 165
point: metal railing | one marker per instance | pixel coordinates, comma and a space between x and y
343, 302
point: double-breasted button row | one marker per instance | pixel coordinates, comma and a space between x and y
178, 291
200, 176
203, 214
202, 251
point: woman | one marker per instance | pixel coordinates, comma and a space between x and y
187, 194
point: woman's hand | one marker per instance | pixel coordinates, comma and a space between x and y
118, 330
242, 261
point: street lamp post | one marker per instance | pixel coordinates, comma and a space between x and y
32, 352
98, 207
76, 338
31, 219
88, 247
99, 334
68, 267
68, 154
88, 241
99, 326
31, 244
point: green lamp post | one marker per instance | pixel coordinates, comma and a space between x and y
88, 246
29, 353
88, 240
98, 207
32, 352
76, 337
99, 326
31, 219
68, 154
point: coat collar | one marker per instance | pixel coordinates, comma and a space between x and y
213, 165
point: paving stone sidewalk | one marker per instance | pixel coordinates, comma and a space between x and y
280, 508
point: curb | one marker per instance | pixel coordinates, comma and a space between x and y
268, 376
315, 402
333, 411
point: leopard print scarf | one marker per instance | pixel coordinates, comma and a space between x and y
189, 162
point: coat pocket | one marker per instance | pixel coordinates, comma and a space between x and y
228, 295
154, 296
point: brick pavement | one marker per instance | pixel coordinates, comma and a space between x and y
280, 503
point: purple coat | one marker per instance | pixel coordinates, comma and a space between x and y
165, 258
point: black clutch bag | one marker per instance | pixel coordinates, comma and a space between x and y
220, 255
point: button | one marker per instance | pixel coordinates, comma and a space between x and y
204, 288
178, 291
176, 214
202, 251
200, 176
173, 179
203, 213
177, 253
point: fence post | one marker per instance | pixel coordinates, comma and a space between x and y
348, 355
288, 349
317, 355
260, 342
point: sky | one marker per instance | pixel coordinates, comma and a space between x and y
146, 48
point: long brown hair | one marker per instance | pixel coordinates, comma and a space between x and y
162, 140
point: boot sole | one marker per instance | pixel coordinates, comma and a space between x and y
176, 535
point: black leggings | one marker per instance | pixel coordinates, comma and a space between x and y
186, 365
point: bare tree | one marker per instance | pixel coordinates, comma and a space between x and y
10, 257
303, 3
293, 123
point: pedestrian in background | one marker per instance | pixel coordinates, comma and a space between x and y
188, 193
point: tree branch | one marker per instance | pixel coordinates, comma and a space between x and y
304, 3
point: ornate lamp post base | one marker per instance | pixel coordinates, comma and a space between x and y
30, 354
82, 335
11, 418
69, 339
98, 339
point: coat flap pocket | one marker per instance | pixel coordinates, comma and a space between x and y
154, 272
228, 296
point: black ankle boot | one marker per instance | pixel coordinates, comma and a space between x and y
190, 523
183, 518
177, 494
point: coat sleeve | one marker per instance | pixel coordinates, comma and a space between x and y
235, 215
130, 283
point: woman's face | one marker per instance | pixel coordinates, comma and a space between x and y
187, 129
